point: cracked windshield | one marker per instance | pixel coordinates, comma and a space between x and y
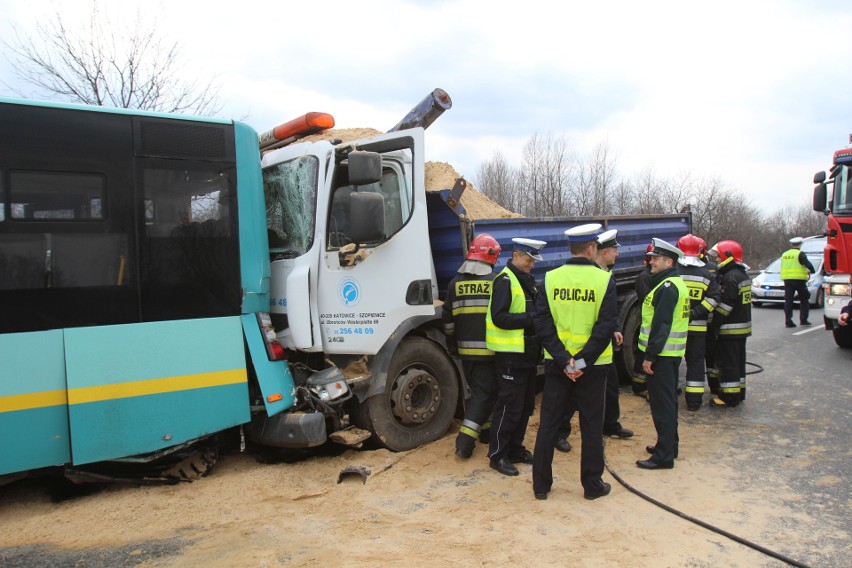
290, 189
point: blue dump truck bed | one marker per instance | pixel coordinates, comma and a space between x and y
448, 226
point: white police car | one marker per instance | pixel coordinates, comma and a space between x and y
768, 288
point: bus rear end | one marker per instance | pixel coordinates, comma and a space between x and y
133, 280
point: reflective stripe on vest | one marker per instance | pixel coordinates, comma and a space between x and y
791, 268
676, 342
507, 340
575, 294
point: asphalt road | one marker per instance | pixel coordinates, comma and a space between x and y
798, 422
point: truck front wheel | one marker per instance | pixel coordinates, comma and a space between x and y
843, 336
420, 397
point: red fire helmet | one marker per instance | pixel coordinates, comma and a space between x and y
484, 247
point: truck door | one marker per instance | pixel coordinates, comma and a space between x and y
367, 290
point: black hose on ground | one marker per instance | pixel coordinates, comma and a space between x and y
759, 368
701, 523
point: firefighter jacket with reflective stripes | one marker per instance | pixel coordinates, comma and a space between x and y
509, 321
575, 293
703, 295
554, 315
464, 315
795, 265
665, 317
732, 317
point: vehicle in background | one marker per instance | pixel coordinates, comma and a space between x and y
837, 205
768, 288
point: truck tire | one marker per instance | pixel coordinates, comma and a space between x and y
843, 336
420, 397
624, 358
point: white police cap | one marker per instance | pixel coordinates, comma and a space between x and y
662, 248
584, 233
607, 239
796, 241
530, 246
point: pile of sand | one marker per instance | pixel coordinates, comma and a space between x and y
439, 175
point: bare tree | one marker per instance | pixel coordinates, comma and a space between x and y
105, 65
594, 182
497, 180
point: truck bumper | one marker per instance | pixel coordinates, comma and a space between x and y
289, 430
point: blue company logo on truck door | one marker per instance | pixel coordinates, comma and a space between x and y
349, 292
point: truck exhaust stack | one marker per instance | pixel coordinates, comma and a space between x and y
426, 111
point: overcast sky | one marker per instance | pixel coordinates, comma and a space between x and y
757, 93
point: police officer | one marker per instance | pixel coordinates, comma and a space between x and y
662, 339
795, 271
731, 323
464, 324
703, 299
576, 317
605, 258
642, 287
509, 333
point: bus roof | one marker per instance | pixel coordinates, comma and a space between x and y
111, 110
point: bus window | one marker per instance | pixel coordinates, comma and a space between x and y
190, 265
42, 196
51, 252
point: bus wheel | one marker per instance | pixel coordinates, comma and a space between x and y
420, 397
194, 466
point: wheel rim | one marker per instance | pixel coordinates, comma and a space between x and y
416, 397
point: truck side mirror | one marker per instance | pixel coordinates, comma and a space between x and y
819, 177
364, 167
820, 196
367, 217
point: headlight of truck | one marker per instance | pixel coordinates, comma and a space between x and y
756, 283
839, 289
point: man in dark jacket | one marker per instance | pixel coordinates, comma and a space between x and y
731, 324
795, 271
703, 299
576, 316
509, 333
464, 324
605, 258
662, 339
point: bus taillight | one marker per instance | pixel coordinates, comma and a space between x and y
274, 349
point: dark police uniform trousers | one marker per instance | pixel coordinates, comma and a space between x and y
612, 407
515, 404
588, 395
662, 394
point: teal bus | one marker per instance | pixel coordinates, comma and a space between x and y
134, 288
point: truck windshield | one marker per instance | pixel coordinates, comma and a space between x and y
842, 199
290, 189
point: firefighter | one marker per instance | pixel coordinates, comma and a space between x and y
795, 271
576, 317
464, 324
711, 260
703, 299
662, 339
731, 323
642, 287
509, 333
